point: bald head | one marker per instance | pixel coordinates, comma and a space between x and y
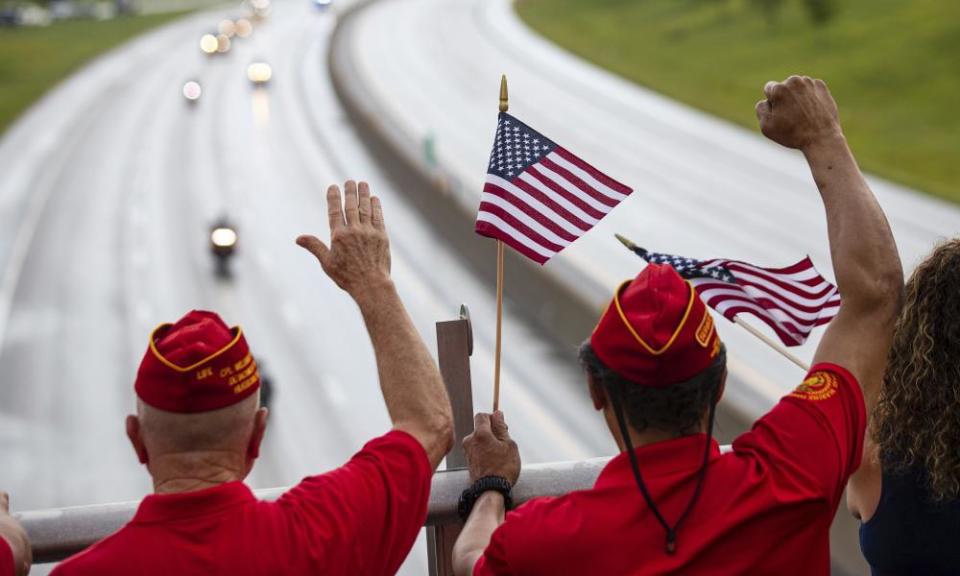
186, 452
225, 430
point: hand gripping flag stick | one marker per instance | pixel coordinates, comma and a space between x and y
792, 300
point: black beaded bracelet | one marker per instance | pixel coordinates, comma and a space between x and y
470, 496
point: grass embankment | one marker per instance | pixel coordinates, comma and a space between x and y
893, 66
32, 60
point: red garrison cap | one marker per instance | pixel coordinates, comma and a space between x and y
656, 331
196, 365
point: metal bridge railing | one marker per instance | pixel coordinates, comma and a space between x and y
58, 533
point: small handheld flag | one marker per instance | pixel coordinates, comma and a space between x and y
792, 300
539, 197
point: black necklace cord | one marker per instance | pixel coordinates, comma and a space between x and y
621, 421
671, 531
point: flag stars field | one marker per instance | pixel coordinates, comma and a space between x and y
539, 197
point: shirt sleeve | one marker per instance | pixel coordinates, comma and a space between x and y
364, 517
6, 558
515, 545
813, 438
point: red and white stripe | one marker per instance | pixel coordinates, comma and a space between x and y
792, 300
547, 206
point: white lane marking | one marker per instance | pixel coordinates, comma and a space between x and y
33, 324
18, 255
143, 312
335, 390
29, 162
265, 259
137, 214
139, 258
292, 314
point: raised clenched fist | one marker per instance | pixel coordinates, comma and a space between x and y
798, 112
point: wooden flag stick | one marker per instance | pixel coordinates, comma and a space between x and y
504, 100
626, 242
504, 106
496, 367
771, 343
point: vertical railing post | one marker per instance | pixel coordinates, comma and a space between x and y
454, 348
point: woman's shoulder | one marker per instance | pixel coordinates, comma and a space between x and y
865, 485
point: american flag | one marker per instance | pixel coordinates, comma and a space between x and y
791, 300
539, 197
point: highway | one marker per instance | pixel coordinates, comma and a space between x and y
109, 184
107, 189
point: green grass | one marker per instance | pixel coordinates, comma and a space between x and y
33, 60
892, 65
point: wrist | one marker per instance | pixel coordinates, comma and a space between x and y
373, 291
827, 143
480, 492
491, 501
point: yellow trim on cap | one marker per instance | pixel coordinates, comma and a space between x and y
623, 317
169, 364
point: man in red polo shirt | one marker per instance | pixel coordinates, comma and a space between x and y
199, 427
671, 503
15, 553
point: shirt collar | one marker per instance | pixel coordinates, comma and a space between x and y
167, 507
659, 459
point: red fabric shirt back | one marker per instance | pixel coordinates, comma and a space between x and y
361, 518
766, 506
6, 558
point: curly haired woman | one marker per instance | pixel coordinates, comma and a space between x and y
907, 491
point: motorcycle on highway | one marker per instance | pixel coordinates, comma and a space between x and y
223, 245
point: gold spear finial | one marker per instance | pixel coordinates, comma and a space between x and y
504, 103
626, 242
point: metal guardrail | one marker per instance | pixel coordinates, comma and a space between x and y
58, 533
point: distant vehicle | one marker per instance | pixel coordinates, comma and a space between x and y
223, 43
209, 44
243, 28
227, 27
9, 16
192, 91
223, 245
259, 73
260, 8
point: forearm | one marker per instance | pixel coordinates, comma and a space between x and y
865, 259
485, 518
409, 378
866, 265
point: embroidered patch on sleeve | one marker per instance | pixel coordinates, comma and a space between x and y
818, 386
